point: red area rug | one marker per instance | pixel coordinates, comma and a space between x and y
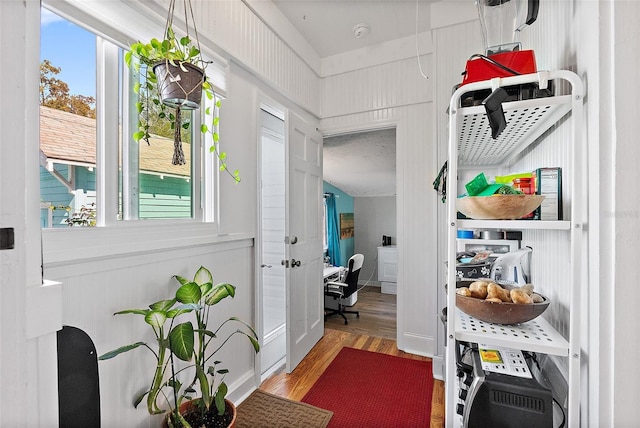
371, 390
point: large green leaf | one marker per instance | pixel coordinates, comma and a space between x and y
189, 293
162, 305
183, 309
120, 350
182, 280
133, 311
253, 337
204, 385
181, 341
205, 289
220, 394
155, 318
203, 276
220, 292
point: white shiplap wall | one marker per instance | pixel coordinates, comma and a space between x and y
242, 34
452, 46
395, 94
394, 84
95, 289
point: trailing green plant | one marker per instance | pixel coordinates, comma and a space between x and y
85, 216
180, 327
177, 51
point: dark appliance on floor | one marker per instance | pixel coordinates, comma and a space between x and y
492, 395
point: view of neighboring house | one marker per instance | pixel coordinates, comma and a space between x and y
68, 171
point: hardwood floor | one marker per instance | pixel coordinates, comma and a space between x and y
377, 315
375, 331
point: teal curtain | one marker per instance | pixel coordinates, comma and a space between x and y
333, 231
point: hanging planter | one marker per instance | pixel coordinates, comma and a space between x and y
172, 80
179, 85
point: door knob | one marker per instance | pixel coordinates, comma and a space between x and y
295, 263
266, 266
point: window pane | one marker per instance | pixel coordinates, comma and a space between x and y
67, 123
158, 182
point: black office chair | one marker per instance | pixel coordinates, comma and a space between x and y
344, 288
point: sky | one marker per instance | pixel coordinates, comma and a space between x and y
72, 49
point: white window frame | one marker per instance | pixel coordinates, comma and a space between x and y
131, 236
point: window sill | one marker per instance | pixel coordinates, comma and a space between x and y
61, 246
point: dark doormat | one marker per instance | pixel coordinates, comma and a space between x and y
264, 410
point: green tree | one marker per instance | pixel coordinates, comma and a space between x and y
54, 93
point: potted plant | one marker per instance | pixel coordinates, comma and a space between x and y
181, 330
173, 79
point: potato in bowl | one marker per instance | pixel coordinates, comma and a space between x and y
499, 303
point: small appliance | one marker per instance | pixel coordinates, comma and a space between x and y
501, 388
513, 267
501, 22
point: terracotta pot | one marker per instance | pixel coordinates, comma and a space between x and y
190, 406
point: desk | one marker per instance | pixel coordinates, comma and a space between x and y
330, 271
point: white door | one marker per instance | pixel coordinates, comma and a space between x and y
271, 242
303, 228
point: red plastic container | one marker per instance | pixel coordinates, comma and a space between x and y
526, 186
479, 69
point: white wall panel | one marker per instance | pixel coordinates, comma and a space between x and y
240, 34
417, 258
94, 290
382, 86
248, 39
375, 216
453, 45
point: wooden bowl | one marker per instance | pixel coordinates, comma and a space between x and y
498, 207
499, 313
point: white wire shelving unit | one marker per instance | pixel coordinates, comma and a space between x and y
471, 145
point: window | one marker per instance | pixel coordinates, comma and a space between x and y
67, 123
153, 186
92, 170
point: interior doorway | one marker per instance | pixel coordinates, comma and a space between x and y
272, 242
289, 242
362, 166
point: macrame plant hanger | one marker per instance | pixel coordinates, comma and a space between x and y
178, 153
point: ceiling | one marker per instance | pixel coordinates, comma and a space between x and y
363, 164
328, 25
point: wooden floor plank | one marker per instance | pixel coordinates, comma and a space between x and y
374, 331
